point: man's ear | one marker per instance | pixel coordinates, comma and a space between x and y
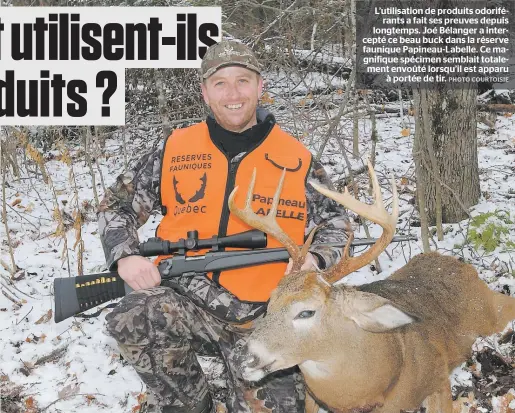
260, 86
204, 92
374, 313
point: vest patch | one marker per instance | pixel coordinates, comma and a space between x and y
190, 162
283, 213
201, 192
196, 209
282, 202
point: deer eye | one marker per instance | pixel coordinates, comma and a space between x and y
305, 314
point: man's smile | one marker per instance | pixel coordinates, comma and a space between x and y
235, 106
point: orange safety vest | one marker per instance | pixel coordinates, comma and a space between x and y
196, 181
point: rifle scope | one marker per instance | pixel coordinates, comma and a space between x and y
248, 239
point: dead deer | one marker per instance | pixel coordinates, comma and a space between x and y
382, 347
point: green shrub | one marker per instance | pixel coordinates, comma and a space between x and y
489, 230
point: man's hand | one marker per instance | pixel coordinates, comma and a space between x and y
310, 263
138, 272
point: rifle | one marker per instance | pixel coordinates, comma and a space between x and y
75, 295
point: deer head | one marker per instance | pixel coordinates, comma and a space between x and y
306, 312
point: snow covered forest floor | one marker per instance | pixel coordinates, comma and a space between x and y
74, 366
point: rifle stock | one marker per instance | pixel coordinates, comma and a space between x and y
93, 289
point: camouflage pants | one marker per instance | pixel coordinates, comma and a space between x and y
161, 332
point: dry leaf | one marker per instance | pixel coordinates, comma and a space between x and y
142, 397
136, 408
464, 404
339, 91
405, 132
16, 202
404, 181
90, 398
28, 366
29, 402
4, 377
42, 337
504, 403
255, 404
68, 391
65, 157
508, 115
266, 98
29, 208
45, 318
220, 408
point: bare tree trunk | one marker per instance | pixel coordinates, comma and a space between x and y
421, 191
355, 128
313, 33
161, 99
8, 149
97, 152
85, 139
427, 139
13, 267
349, 30
450, 125
77, 215
446, 141
374, 137
124, 148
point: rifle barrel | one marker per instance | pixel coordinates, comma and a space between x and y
371, 241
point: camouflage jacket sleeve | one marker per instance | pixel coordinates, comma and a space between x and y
126, 206
325, 212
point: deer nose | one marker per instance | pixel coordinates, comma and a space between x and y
244, 357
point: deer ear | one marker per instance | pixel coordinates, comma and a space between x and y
376, 314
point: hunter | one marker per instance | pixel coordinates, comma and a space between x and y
160, 329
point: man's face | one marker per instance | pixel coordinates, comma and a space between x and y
232, 93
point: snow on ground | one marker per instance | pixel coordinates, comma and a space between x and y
74, 365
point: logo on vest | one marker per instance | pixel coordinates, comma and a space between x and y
199, 194
190, 162
281, 213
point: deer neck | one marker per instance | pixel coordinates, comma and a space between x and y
349, 365
345, 380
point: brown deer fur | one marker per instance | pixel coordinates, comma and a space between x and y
356, 357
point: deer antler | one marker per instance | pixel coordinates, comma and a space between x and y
268, 223
375, 213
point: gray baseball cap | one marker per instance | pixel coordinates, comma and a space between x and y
228, 53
